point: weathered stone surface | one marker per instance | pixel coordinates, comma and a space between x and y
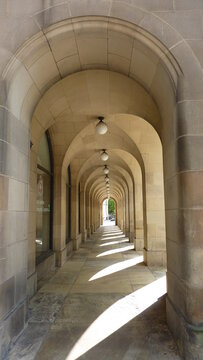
169, 70
60, 317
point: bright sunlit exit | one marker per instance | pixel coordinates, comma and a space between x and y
118, 315
109, 212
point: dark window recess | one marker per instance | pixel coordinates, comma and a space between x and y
79, 208
68, 205
44, 231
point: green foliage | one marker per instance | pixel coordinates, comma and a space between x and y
111, 206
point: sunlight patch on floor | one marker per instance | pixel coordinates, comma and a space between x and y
117, 315
112, 233
117, 267
115, 251
115, 242
113, 237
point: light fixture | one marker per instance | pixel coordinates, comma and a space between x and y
104, 155
101, 127
106, 169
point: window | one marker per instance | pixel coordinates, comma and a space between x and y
79, 208
68, 205
44, 198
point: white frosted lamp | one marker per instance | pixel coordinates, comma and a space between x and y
101, 127
106, 170
104, 156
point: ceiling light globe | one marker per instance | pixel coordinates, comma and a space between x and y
106, 171
104, 156
101, 127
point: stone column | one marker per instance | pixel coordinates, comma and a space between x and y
14, 164
75, 237
126, 222
131, 217
83, 216
155, 237
59, 228
139, 228
184, 199
88, 215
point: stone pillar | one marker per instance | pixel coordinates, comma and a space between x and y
83, 216
126, 222
14, 161
88, 215
59, 228
139, 227
184, 199
91, 215
75, 237
131, 217
155, 239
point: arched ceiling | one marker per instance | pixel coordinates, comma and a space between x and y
76, 45
78, 70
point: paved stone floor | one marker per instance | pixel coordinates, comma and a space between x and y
103, 304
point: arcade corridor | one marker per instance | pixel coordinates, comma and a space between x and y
104, 303
101, 101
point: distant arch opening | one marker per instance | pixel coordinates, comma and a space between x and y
109, 212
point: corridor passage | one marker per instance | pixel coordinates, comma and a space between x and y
103, 304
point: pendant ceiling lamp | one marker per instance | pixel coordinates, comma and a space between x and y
107, 178
106, 169
101, 127
104, 155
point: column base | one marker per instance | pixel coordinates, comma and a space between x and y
139, 240
84, 236
31, 285
60, 257
45, 266
189, 338
131, 237
88, 232
127, 232
155, 258
77, 242
139, 244
69, 248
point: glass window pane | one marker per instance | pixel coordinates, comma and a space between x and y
68, 205
43, 212
43, 154
67, 212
